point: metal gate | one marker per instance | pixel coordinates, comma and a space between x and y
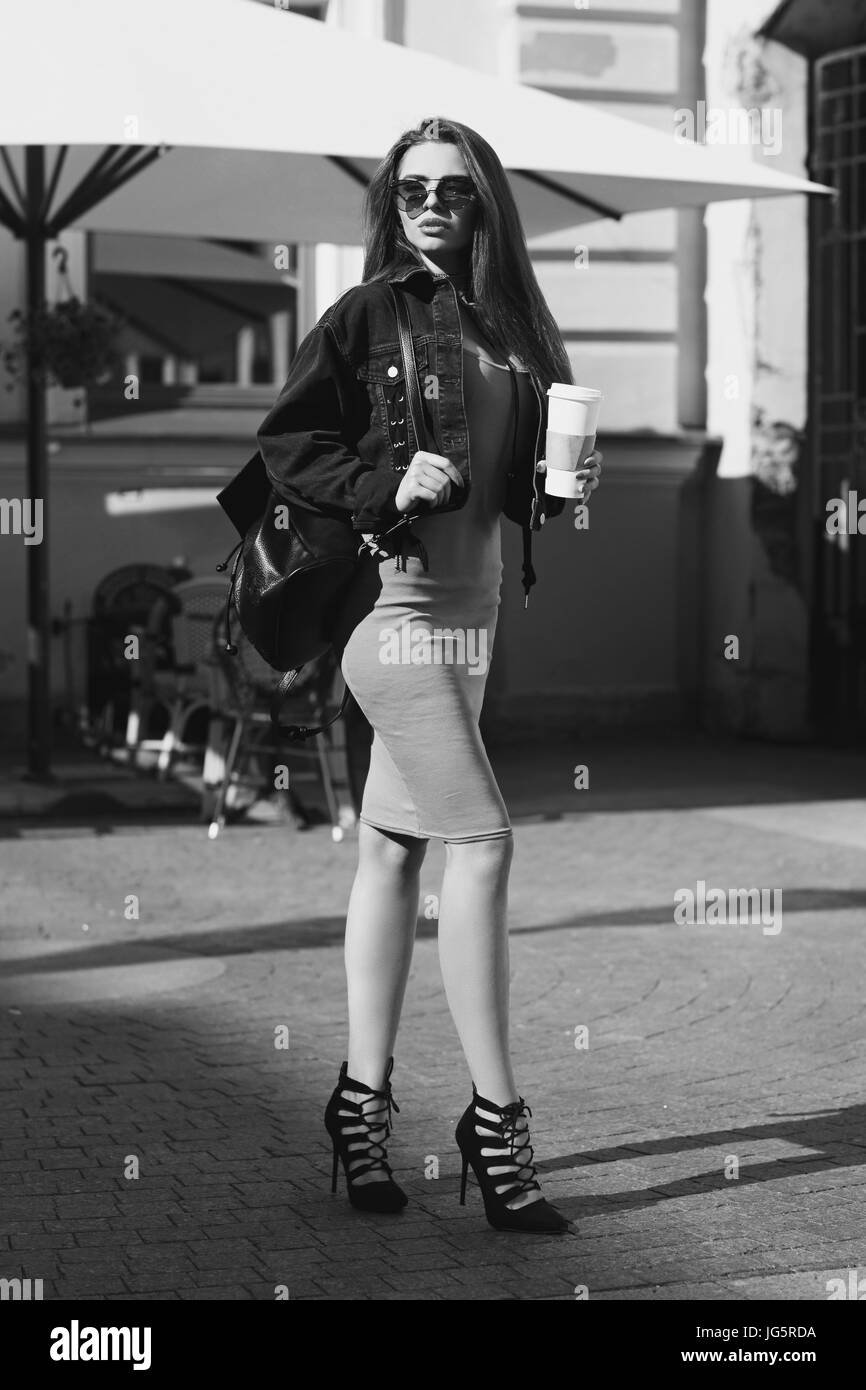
838, 393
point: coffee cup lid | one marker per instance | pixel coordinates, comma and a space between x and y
574, 393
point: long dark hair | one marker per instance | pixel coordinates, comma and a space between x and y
507, 297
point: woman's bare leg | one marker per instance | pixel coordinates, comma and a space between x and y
473, 954
380, 936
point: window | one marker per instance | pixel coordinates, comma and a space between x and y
838, 382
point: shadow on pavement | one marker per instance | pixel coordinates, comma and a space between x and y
329, 931
813, 1131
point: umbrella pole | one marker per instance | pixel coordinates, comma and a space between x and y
38, 613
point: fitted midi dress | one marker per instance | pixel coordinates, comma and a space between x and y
417, 662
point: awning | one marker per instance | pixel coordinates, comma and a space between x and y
202, 314
182, 258
816, 27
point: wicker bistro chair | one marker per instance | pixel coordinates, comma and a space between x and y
252, 749
186, 684
171, 682
120, 607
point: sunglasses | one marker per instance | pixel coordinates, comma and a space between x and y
454, 192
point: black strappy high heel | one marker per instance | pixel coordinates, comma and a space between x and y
351, 1125
502, 1145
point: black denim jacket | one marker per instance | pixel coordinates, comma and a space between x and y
339, 435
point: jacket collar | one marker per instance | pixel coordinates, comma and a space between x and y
407, 270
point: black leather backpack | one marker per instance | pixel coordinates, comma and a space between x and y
295, 567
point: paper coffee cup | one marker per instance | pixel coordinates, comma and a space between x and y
572, 417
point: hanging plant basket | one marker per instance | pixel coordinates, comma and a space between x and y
74, 343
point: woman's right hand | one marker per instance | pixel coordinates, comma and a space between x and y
427, 479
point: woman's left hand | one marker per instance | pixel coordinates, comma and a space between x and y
590, 472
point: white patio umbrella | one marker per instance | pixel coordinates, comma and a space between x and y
232, 118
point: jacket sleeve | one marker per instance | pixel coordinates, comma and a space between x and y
305, 440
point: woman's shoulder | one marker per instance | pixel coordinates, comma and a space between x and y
361, 316
359, 300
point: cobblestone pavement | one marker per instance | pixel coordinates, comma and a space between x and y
148, 1043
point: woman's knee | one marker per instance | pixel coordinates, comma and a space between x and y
482, 856
389, 852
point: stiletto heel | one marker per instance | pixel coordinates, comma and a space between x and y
351, 1129
497, 1146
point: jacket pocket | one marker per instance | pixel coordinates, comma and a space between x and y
385, 381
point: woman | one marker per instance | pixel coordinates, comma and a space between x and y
442, 228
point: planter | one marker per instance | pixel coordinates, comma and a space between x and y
73, 344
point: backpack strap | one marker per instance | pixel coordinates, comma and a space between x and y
296, 733
410, 369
